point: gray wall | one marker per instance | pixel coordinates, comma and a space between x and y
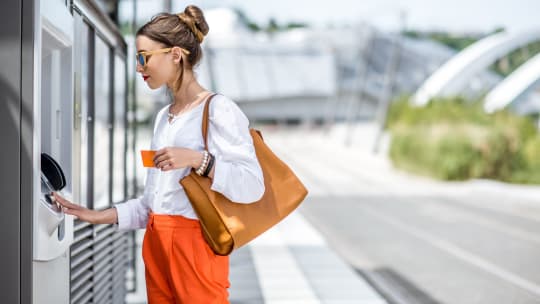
16, 90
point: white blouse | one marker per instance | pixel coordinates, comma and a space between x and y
238, 175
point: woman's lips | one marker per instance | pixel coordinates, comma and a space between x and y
146, 77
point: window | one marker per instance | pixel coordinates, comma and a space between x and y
84, 82
102, 125
119, 136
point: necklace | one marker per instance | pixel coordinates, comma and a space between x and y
172, 116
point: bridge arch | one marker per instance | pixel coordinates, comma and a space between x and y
513, 87
453, 75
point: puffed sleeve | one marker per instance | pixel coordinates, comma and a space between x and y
238, 175
133, 214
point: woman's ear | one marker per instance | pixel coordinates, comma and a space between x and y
176, 54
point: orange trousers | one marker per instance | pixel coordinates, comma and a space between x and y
180, 267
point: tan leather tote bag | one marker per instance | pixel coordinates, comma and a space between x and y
228, 225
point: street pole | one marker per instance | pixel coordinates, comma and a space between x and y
388, 85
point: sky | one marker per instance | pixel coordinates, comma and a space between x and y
391, 15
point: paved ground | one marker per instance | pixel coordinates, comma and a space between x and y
291, 263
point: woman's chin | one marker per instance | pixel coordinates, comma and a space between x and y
152, 86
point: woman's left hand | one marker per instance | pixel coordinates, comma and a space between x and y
171, 158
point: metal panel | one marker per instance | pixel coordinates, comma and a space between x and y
14, 172
98, 264
29, 54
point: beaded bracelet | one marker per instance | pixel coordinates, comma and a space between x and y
204, 163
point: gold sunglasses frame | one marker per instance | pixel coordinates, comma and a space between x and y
145, 54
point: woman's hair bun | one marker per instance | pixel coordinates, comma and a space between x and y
193, 17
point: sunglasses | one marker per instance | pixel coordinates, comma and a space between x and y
143, 56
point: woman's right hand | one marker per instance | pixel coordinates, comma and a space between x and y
82, 213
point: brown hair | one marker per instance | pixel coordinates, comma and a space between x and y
186, 30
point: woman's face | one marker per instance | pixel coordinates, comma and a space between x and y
160, 68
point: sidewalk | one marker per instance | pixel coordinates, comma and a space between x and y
291, 263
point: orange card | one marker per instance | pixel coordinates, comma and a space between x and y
148, 157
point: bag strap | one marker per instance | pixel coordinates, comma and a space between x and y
206, 114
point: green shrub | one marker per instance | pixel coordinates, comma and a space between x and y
531, 153
455, 157
453, 139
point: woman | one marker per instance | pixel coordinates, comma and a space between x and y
179, 266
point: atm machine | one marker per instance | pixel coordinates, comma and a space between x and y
54, 152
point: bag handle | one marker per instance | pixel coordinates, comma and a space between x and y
206, 114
